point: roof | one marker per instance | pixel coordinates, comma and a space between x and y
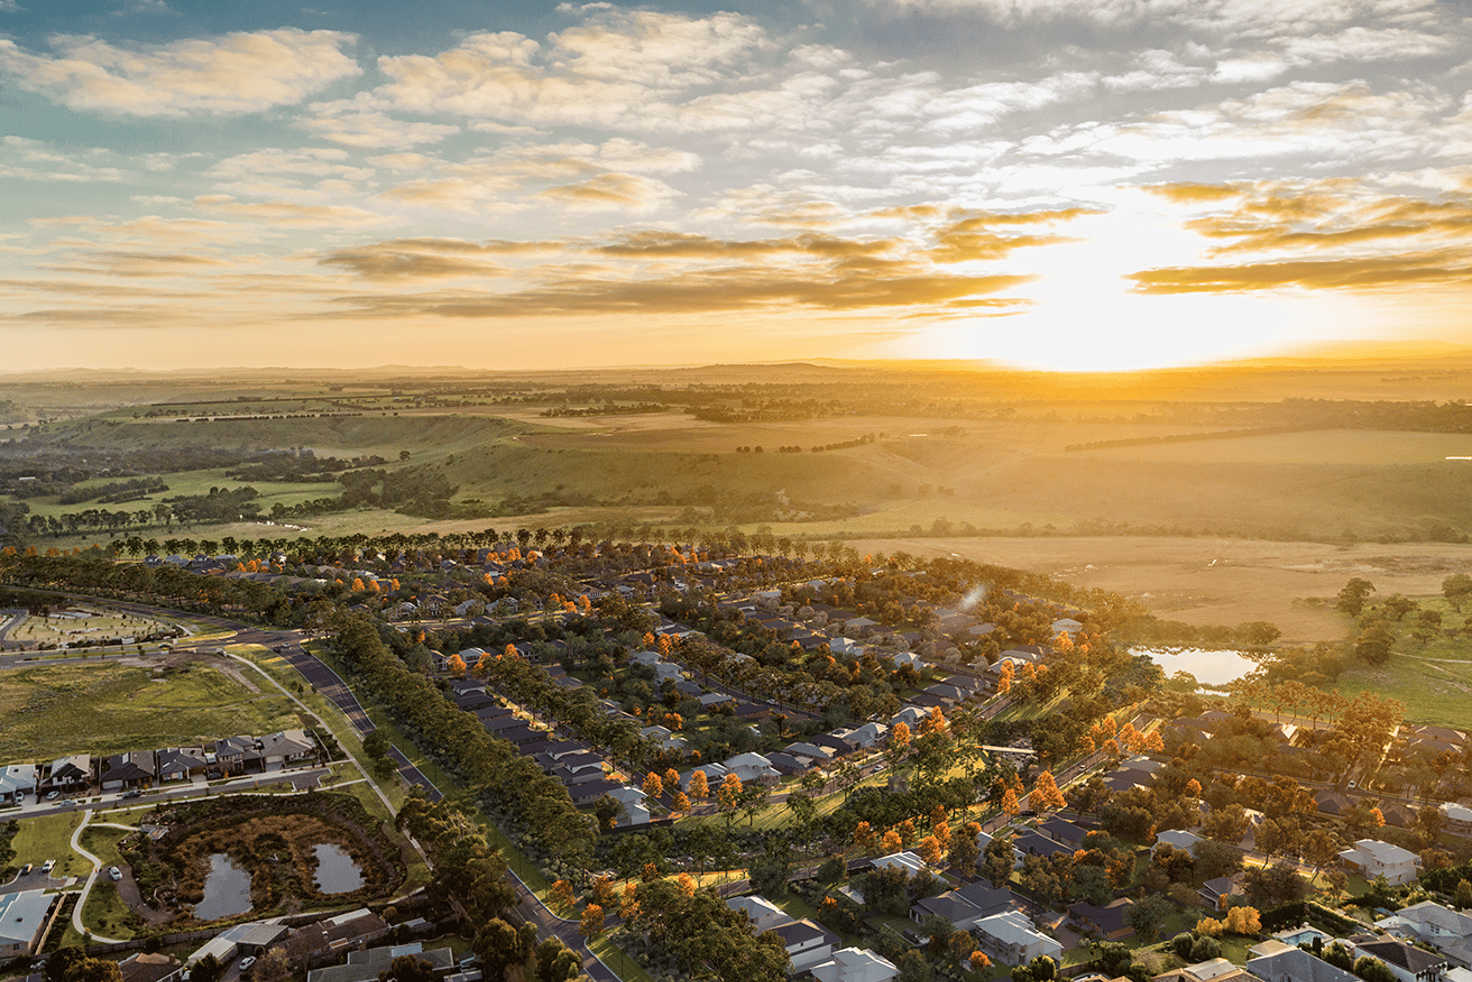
22, 914
1398, 954
365, 966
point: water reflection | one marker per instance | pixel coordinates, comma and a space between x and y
1208, 666
336, 871
226, 890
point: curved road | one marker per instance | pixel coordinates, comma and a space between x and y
91, 880
288, 644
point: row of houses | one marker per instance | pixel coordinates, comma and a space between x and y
145, 768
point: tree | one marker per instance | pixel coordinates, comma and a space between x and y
561, 895
274, 966
965, 849
1373, 644
592, 922
653, 785
1353, 596
1147, 914
1243, 920
1457, 589
1045, 794
997, 866
698, 788
1372, 969
207, 969
407, 968
61, 961
456, 664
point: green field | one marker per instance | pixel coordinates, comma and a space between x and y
49, 837
49, 712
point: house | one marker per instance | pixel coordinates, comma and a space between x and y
285, 748
1458, 818
855, 965
955, 910
788, 765
907, 861
764, 914
1110, 922
70, 773
867, 736
367, 966
1407, 963
1013, 939
181, 763
1215, 970
1375, 858
1217, 894
714, 775
1332, 802
752, 767
807, 944
1064, 832
1030, 843
1429, 922
714, 699
1296, 965
17, 779
151, 967
22, 917
238, 753
131, 770
1179, 838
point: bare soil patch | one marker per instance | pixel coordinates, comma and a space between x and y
1215, 581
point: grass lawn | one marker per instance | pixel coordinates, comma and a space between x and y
111, 708
1433, 692
105, 913
49, 837
622, 965
102, 842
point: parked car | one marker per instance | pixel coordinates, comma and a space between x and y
47, 866
52, 795
131, 794
25, 869
115, 873
246, 963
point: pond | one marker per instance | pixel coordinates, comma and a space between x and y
1208, 666
226, 890
336, 871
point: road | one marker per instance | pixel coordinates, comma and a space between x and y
288, 644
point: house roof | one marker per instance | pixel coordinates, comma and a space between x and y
1398, 954
21, 915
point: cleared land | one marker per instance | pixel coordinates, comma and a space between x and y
110, 708
1212, 580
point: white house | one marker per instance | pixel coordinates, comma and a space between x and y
752, 767
907, 861
1446, 929
17, 779
1180, 838
1012, 938
1458, 818
1375, 858
807, 944
855, 965
764, 914
868, 735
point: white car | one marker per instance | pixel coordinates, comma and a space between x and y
115, 873
53, 795
246, 963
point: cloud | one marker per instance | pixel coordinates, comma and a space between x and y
978, 237
428, 258
37, 160
143, 264
1260, 18
1348, 273
348, 122
611, 192
229, 75
289, 213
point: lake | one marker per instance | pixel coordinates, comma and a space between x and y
1210, 667
226, 890
336, 871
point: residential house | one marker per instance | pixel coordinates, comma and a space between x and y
1013, 939
1217, 893
807, 944
1296, 965
1375, 858
132, 770
71, 773
22, 917
1446, 929
368, 966
1064, 832
855, 965
764, 914
1110, 922
867, 736
238, 754
286, 748
1179, 838
181, 763
1030, 843
752, 767
1406, 962
907, 861
17, 779
1458, 818
151, 967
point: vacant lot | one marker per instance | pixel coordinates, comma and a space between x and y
1215, 581
48, 712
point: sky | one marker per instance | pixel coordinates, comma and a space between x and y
1069, 184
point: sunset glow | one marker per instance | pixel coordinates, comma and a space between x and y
1053, 183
